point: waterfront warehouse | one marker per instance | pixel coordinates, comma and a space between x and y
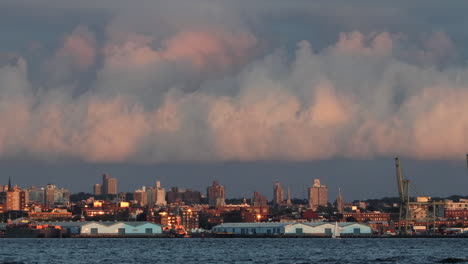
121, 228
292, 228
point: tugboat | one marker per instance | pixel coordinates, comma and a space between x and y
177, 230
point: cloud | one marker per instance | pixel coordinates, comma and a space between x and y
79, 48
190, 88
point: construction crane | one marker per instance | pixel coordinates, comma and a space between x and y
406, 205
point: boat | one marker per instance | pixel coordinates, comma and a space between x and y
336, 232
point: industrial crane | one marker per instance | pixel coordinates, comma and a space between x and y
403, 191
406, 203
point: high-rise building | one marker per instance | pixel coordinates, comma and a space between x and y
175, 195
141, 196
215, 194
112, 186
36, 195
339, 202
259, 200
318, 195
181, 196
109, 185
277, 194
105, 180
189, 219
159, 195
54, 195
16, 199
97, 189
191, 197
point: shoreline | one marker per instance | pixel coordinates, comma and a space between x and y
164, 236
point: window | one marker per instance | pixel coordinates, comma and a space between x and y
94, 231
149, 230
328, 231
268, 231
121, 231
356, 231
299, 231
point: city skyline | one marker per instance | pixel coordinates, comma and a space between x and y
245, 93
233, 131
352, 189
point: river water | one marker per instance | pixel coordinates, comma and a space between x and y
234, 250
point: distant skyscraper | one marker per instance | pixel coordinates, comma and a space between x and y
159, 194
105, 181
97, 189
277, 194
54, 195
339, 202
109, 185
112, 186
318, 195
215, 194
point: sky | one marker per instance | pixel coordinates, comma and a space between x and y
245, 92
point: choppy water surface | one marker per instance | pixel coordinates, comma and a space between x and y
233, 251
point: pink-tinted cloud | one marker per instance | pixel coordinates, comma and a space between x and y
80, 48
211, 48
204, 50
317, 105
356, 43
